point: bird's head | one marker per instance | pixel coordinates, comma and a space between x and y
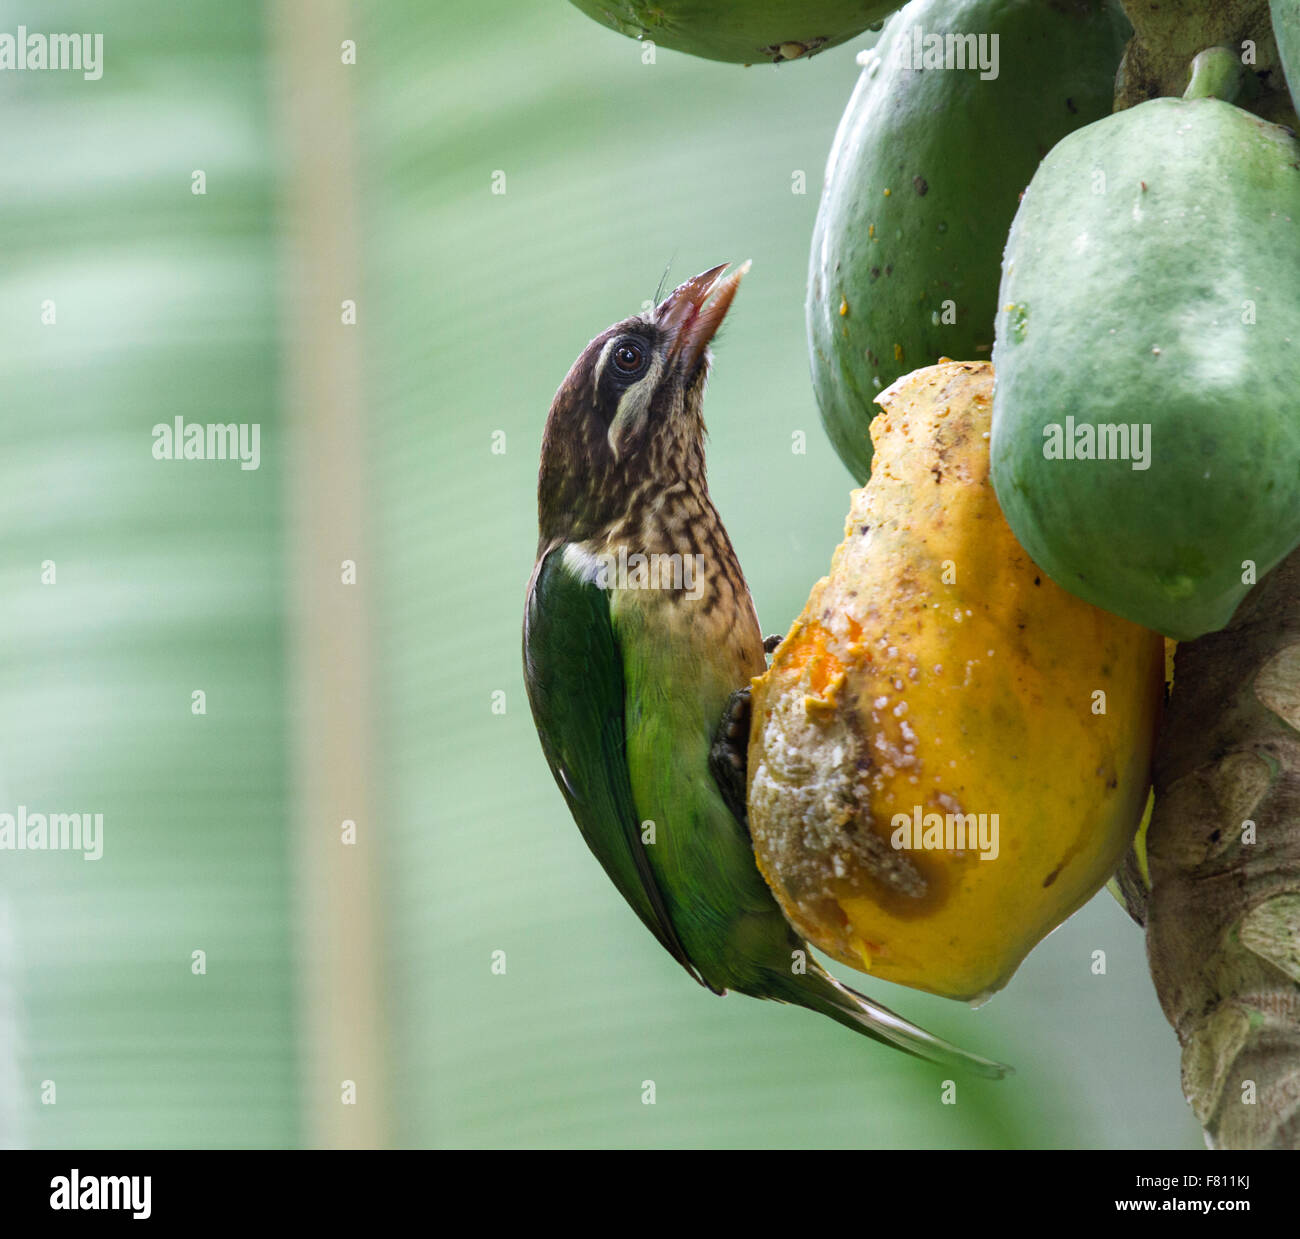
630, 409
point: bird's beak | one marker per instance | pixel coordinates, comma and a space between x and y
693, 312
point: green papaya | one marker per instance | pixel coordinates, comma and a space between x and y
1286, 29
1146, 417
922, 182
741, 31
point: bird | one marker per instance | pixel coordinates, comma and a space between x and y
639, 636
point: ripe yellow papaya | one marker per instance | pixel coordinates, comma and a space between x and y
949, 753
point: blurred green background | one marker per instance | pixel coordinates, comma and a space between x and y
373, 962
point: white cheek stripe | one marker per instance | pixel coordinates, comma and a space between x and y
599, 368
634, 406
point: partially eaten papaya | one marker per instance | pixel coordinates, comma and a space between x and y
949, 754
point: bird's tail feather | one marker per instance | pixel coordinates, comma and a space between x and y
821, 992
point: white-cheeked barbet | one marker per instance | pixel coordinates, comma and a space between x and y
638, 628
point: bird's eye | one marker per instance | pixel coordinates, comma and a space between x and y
629, 357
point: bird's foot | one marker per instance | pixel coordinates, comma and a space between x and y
729, 753
770, 643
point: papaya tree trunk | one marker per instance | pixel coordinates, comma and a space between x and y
1223, 849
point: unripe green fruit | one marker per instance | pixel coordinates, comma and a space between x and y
741, 31
1146, 414
922, 184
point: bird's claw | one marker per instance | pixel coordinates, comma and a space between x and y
729, 753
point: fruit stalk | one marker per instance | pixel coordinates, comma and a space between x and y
1217, 73
1167, 34
1223, 913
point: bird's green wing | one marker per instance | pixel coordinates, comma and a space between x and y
573, 669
